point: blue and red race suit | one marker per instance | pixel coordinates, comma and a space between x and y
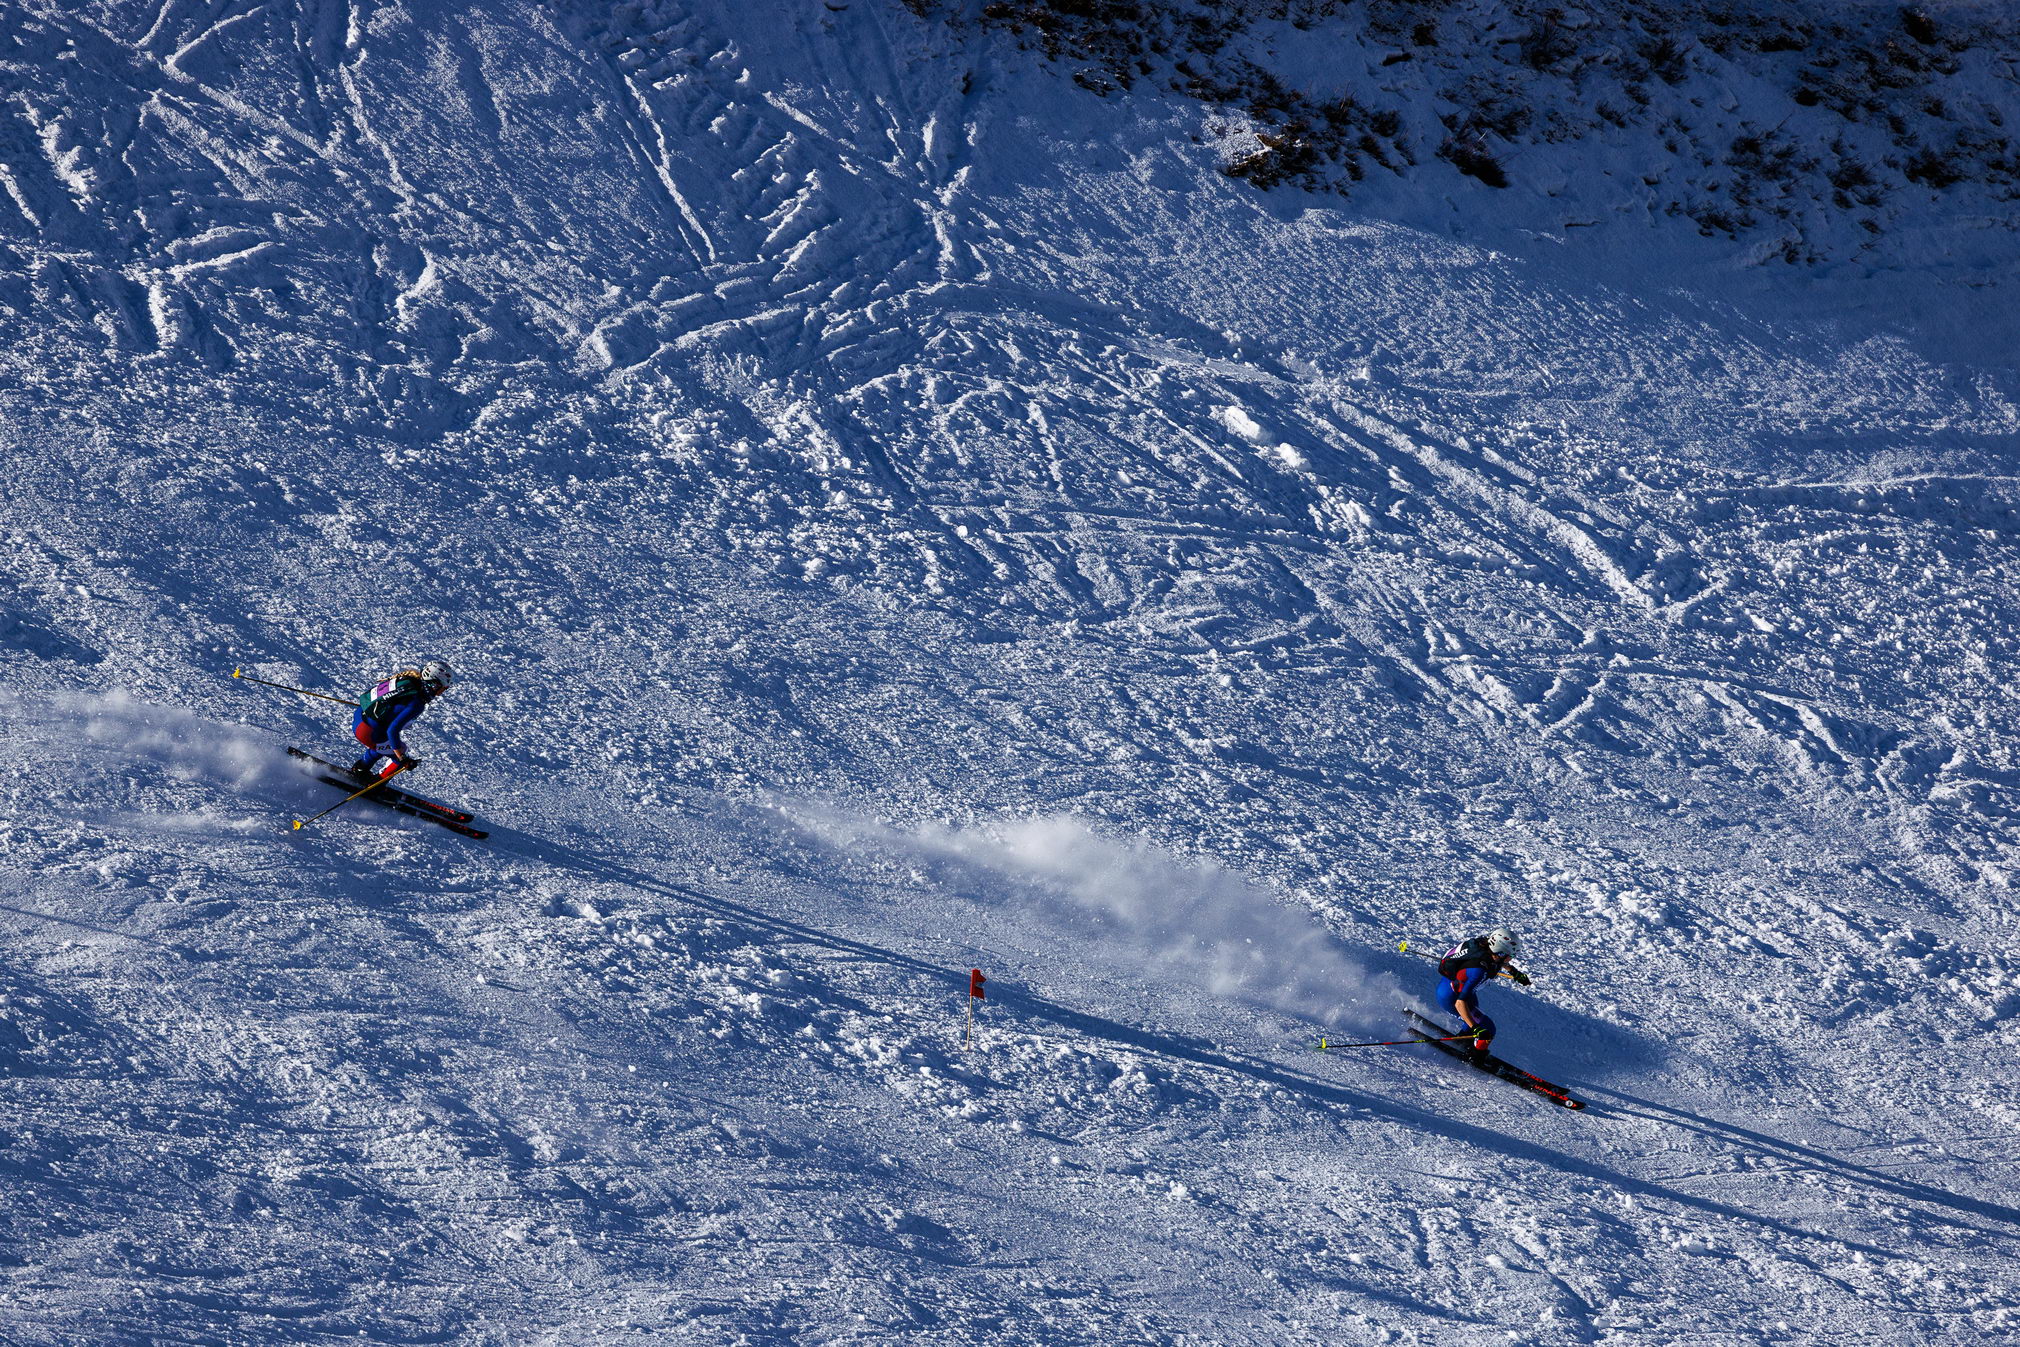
383, 712
1461, 973
1464, 987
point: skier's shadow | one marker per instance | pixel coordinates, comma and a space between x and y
573, 858
168, 947
1798, 1156
1536, 1034
1317, 1089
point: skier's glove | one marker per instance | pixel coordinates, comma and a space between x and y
1521, 978
410, 764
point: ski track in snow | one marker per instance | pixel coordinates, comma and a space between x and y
896, 513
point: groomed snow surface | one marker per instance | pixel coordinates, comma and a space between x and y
894, 511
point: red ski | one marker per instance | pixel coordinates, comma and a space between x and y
1491, 1064
386, 797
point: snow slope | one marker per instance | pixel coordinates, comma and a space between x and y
895, 511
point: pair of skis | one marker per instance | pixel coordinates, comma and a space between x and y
386, 797
1440, 1038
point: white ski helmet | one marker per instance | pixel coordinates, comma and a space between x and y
436, 671
1503, 942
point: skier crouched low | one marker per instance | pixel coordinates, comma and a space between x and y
386, 710
1468, 966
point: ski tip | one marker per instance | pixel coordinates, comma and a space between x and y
298, 825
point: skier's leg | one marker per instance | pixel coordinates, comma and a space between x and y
367, 736
1483, 1031
1447, 996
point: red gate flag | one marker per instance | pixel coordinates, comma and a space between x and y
975, 981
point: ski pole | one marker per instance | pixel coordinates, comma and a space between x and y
1400, 1042
328, 697
301, 823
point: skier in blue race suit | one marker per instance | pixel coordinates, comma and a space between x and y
385, 711
1469, 966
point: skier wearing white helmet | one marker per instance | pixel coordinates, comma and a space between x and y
1468, 966
386, 710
